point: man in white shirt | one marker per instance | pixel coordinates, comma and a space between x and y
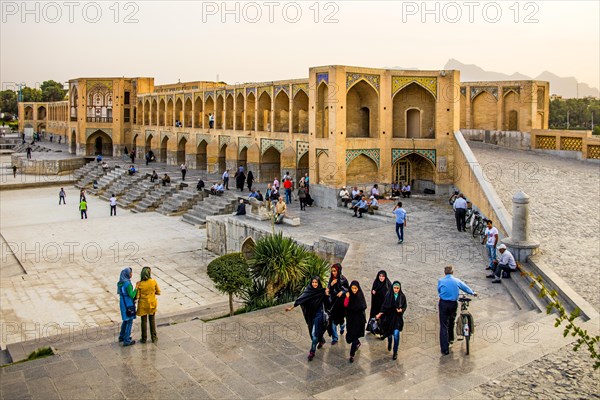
345, 196
373, 205
113, 205
460, 212
226, 179
490, 240
506, 262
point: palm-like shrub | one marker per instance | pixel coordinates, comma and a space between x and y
231, 275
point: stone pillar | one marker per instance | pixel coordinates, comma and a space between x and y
519, 243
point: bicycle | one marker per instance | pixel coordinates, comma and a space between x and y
465, 325
479, 227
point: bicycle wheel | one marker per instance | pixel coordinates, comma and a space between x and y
467, 332
475, 228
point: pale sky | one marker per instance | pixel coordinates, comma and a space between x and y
194, 40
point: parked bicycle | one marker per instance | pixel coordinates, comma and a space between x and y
465, 325
479, 227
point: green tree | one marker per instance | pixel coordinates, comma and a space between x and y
8, 102
231, 275
31, 95
52, 91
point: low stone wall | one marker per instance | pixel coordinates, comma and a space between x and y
510, 139
581, 145
469, 179
46, 166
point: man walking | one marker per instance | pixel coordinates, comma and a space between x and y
448, 288
287, 184
183, 171
14, 168
83, 208
400, 214
28, 150
113, 205
226, 179
61, 196
491, 240
460, 212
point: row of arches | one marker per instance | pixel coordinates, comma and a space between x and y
413, 112
239, 113
40, 113
484, 112
57, 111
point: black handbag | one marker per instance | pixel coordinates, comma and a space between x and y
130, 310
374, 326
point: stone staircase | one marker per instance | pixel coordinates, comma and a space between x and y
107, 180
89, 177
211, 205
121, 186
22, 148
136, 193
181, 201
154, 199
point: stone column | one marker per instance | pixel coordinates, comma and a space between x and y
519, 243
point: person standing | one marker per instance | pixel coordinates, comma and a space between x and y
355, 305
240, 180
61, 196
183, 168
491, 240
14, 168
147, 290
113, 205
83, 207
400, 214
287, 185
82, 194
307, 181
338, 287
211, 121
448, 288
379, 290
226, 179
28, 150
250, 180
132, 156
460, 212
127, 295
312, 303
392, 311
302, 197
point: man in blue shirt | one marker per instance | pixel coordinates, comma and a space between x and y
361, 207
448, 288
400, 214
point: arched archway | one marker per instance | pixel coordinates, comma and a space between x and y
229, 112
362, 170
99, 143
73, 100
243, 159
169, 117
222, 159
239, 112
416, 170
161, 112
322, 123
362, 111
209, 109
484, 111
270, 165
219, 112
198, 112
163, 149
154, 112
510, 111
148, 144
248, 248
201, 158
187, 113
181, 151
282, 112
302, 166
321, 167
264, 113
179, 111
28, 113
250, 108
147, 112
73, 142
300, 113
405, 123
41, 112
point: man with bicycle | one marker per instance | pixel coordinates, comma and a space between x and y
448, 288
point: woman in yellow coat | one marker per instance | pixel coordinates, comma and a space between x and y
146, 294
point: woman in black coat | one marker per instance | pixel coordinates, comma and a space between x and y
250, 180
356, 305
338, 287
311, 301
392, 311
381, 287
240, 179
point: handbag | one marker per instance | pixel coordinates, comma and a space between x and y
374, 326
130, 310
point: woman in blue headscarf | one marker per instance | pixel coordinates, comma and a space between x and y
126, 299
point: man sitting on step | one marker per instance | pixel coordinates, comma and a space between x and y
166, 180
505, 263
217, 189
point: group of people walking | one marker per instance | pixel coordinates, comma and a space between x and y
342, 305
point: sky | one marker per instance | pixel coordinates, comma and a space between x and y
254, 41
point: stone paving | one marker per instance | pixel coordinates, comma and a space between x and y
564, 208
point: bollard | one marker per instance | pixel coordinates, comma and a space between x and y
519, 243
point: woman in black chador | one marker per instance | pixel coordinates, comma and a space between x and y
381, 287
338, 287
392, 311
250, 180
240, 180
311, 301
356, 305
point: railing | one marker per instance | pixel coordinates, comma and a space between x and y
99, 119
563, 140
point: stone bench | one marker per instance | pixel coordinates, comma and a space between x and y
291, 219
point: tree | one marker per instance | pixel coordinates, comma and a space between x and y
52, 91
31, 95
8, 102
231, 275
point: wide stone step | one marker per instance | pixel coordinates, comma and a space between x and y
193, 220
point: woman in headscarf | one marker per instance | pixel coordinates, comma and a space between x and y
356, 305
392, 311
147, 291
338, 287
240, 179
250, 180
381, 286
126, 300
311, 301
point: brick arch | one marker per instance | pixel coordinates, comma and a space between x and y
362, 110
484, 111
362, 170
322, 114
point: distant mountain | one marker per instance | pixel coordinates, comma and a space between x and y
566, 87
